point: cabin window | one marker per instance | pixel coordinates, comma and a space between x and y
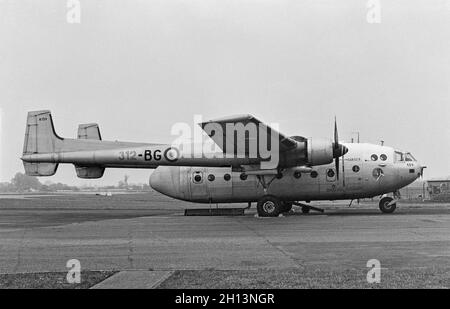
398, 156
297, 174
383, 157
243, 176
330, 173
355, 168
377, 173
211, 177
314, 174
227, 177
374, 157
198, 177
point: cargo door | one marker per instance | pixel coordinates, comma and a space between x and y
197, 184
330, 184
354, 177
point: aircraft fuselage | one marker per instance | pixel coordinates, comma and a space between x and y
368, 170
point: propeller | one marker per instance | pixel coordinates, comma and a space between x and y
339, 150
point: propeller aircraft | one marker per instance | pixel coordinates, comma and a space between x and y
256, 164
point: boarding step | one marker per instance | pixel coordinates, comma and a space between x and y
214, 212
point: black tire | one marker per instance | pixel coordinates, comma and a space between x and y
385, 207
306, 210
286, 206
269, 206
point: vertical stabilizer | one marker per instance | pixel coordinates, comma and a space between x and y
40, 137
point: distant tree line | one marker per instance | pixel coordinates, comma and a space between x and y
23, 183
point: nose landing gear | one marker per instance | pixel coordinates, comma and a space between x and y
387, 205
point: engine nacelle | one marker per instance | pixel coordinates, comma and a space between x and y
311, 152
320, 151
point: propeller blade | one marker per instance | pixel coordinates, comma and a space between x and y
336, 147
343, 172
336, 137
336, 163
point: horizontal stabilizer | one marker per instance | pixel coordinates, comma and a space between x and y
40, 169
89, 172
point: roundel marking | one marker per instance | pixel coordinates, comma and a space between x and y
171, 154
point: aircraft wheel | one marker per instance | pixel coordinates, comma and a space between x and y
269, 206
287, 206
305, 209
385, 207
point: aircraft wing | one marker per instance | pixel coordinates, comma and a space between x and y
242, 131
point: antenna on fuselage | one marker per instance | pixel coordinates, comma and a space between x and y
357, 134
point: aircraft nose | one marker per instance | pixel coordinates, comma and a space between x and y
166, 180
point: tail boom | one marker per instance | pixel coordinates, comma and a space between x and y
43, 149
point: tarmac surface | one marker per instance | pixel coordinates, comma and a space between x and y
149, 232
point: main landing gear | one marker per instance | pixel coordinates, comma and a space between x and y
271, 206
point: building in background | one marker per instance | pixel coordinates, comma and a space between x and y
415, 191
434, 189
438, 189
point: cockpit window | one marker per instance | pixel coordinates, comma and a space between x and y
409, 157
398, 156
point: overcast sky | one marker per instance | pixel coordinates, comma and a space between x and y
136, 67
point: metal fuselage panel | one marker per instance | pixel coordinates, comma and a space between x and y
360, 177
